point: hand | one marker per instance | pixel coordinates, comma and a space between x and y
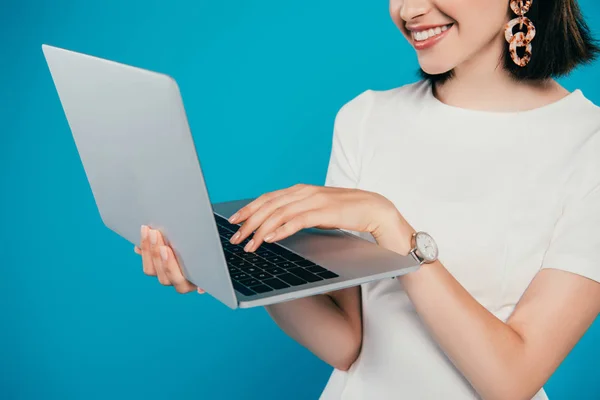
159, 260
279, 214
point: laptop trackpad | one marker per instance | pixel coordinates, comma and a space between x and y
345, 253
319, 243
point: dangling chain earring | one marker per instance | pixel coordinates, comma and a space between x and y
520, 39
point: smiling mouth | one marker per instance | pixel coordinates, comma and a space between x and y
424, 37
420, 36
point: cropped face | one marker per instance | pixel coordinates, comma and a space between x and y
448, 33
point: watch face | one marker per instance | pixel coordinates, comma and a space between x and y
426, 246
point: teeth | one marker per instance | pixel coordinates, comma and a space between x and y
424, 35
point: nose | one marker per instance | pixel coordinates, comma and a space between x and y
411, 9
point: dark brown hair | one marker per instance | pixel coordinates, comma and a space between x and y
562, 42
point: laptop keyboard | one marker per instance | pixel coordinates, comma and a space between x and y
270, 267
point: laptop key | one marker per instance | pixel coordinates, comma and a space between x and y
243, 289
286, 265
294, 257
316, 269
261, 275
245, 255
291, 279
222, 229
276, 283
304, 274
229, 255
261, 288
250, 282
280, 250
239, 276
276, 259
275, 271
328, 275
305, 263
270, 246
265, 265
287, 254
264, 253
233, 263
254, 260
251, 269
240, 264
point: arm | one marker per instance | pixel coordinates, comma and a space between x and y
329, 325
509, 360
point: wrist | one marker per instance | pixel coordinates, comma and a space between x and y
395, 234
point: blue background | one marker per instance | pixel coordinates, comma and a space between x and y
262, 82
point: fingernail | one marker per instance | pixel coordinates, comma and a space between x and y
137, 250
249, 245
144, 232
163, 253
153, 236
269, 237
234, 218
235, 237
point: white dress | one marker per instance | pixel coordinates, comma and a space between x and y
503, 195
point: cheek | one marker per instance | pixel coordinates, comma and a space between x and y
478, 20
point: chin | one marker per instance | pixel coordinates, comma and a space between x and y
436, 67
438, 60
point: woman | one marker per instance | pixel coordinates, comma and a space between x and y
499, 164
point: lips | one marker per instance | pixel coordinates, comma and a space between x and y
426, 36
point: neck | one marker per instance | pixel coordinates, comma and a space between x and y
481, 83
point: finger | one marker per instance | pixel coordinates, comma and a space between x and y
245, 212
137, 250
155, 242
305, 220
173, 271
147, 263
282, 216
264, 212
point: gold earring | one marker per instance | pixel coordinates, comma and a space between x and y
520, 39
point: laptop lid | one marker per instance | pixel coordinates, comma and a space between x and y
131, 131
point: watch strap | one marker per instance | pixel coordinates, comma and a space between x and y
413, 252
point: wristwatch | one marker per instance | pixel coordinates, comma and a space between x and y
424, 249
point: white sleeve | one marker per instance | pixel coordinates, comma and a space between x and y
344, 161
575, 246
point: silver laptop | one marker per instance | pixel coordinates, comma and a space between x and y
131, 131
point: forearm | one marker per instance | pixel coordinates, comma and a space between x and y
489, 353
321, 326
